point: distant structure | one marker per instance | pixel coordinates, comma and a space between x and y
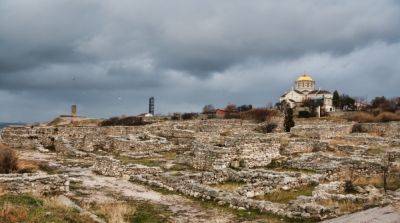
73, 111
151, 105
304, 89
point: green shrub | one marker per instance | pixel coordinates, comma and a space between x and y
357, 128
268, 128
124, 121
289, 122
189, 116
304, 114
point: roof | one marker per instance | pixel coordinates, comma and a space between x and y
297, 91
305, 77
319, 92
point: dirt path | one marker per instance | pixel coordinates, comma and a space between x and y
103, 189
185, 210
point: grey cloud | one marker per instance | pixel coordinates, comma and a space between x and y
109, 56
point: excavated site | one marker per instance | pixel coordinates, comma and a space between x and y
214, 170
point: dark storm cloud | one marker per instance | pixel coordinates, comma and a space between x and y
109, 56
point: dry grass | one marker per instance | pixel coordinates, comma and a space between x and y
8, 160
13, 213
377, 132
169, 155
393, 181
258, 114
117, 212
339, 153
228, 185
344, 206
362, 181
364, 117
286, 196
284, 142
374, 151
226, 133
336, 141
2, 192
27, 166
34, 209
387, 117
361, 117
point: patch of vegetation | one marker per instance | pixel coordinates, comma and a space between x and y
365, 117
181, 167
189, 116
278, 165
75, 185
267, 128
282, 196
114, 212
169, 155
240, 215
27, 166
8, 160
258, 114
26, 208
373, 151
288, 121
251, 215
349, 187
344, 206
229, 185
291, 169
393, 181
147, 161
150, 213
124, 121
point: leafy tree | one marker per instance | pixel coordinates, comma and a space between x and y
384, 104
336, 99
313, 104
244, 108
208, 109
347, 102
378, 101
231, 111
288, 122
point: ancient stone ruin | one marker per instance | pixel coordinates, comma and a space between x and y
322, 169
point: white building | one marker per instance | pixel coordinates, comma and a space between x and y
304, 89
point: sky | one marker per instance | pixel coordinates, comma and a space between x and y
109, 57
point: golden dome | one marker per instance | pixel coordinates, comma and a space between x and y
305, 77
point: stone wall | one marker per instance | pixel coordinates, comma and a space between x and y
63, 139
109, 166
35, 183
329, 130
389, 129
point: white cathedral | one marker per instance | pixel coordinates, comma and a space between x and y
304, 88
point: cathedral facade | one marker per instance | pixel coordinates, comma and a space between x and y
304, 89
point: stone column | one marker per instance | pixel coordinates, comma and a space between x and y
319, 111
73, 111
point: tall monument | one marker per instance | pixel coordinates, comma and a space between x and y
151, 105
73, 110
